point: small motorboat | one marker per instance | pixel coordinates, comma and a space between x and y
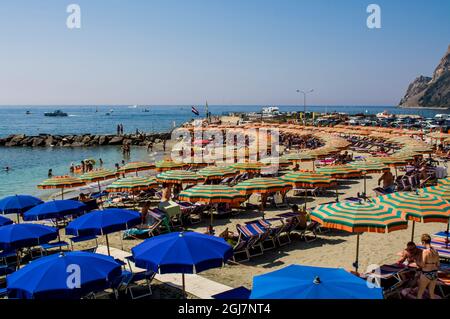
56, 113
27, 112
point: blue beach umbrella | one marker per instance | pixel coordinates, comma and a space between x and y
5, 221
55, 209
103, 222
55, 276
305, 282
182, 252
17, 236
18, 204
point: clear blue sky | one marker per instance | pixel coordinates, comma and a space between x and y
226, 51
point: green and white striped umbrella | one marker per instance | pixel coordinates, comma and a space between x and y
98, 175
215, 172
440, 190
211, 194
359, 218
61, 182
308, 180
340, 171
262, 185
132, 184
179, 177
168, 165
369, 167
249, 167
136, 167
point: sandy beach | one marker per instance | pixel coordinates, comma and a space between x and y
331, 249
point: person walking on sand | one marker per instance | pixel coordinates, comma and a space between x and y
429, 266
118, 129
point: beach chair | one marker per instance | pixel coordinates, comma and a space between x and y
3, 293
232, 294
49, 247
130, 279
247, 243
157, 223
81, 239
173, 211
389, 277
267, 237
311, 229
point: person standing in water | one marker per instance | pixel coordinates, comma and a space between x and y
50, 173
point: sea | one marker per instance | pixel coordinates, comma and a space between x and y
29, 166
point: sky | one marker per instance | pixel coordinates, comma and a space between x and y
228, 52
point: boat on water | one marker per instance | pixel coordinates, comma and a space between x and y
385, 115
27, 112
56, 113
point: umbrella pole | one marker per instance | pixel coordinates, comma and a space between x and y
184, 286
62, 193
107, 244
448, 228
305, 197
18, 218
99, 187
412, 232
365, 185
356, 264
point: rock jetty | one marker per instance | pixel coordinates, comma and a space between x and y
85, 140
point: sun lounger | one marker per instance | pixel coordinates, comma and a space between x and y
46, 248
80, 239
129, 281
3, 293
252, 240
442, 234
157, 223
235, 293
444, 252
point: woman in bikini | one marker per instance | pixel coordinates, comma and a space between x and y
429, 265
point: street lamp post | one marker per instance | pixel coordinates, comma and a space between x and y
304, 103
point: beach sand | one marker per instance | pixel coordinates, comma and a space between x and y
331, 249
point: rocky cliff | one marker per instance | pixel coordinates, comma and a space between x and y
430, 91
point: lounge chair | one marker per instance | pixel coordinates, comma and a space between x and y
267, 237
248, 243
311, 229
157, 223
3, 293
47, 248
130, 278
235, 293
87, 238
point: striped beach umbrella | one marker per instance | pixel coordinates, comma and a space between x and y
340, 171
418, 207
98, 175
136, 167
442, 191
132, 184
167, 165
179, 177
280, 161
248, 167
444, 181
61, 182
211, 194
359, 218
215, 172
308, 180
262, 186
389, 160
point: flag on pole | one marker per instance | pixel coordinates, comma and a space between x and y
195, 111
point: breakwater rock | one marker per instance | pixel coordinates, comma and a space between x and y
84, 140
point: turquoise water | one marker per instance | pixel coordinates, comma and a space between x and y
30, 166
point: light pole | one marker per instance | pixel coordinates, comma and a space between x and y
304, 103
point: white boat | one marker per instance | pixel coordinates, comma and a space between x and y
132, 107
270, 111
385, 115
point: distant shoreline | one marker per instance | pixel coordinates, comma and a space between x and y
425, 107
